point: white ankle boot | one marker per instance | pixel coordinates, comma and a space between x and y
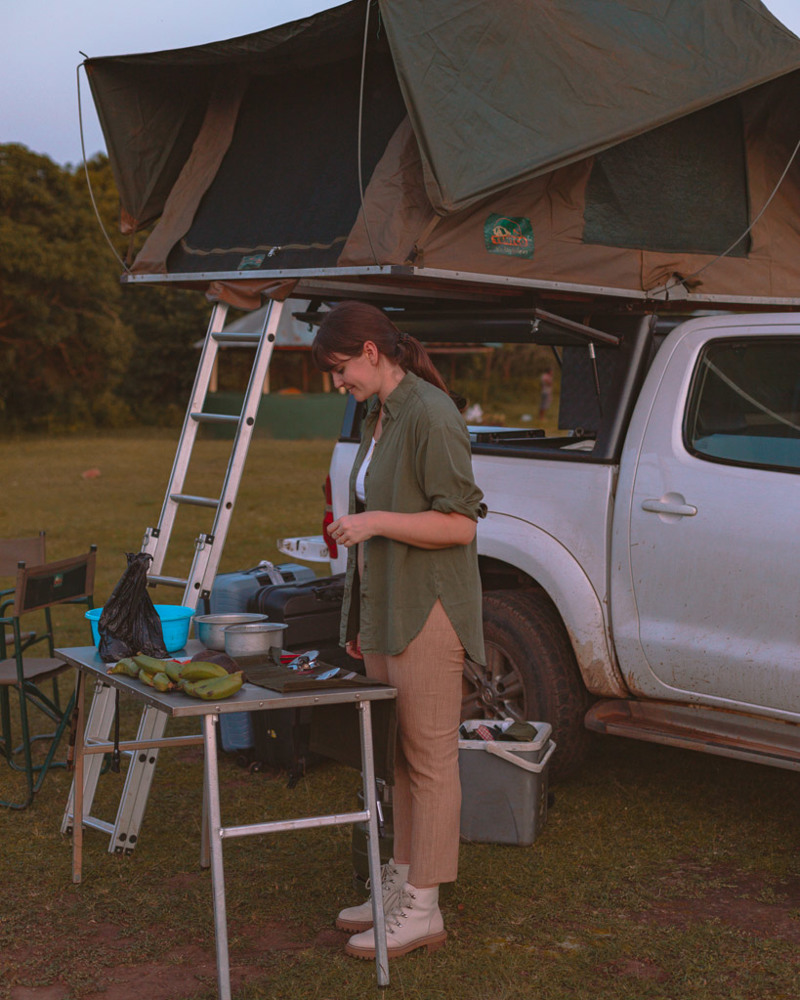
414, 923
359, 918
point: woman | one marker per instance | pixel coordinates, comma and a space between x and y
412, 602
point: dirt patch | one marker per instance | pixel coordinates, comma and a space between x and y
635, 969
189, 970
752, 904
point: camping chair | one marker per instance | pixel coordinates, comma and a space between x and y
13, 551
38, 589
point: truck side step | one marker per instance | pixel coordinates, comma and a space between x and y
727, 734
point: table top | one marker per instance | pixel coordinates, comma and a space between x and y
250, 697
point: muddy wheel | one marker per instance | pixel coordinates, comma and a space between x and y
530, 673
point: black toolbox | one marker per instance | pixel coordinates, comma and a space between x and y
311, 608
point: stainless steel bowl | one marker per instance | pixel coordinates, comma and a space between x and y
210, 629
253, 638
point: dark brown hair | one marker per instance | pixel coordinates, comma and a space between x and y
349, 325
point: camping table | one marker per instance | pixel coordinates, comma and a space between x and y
250, 698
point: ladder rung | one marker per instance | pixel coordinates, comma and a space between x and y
237, 338
216, 418
96, 824
194, 501
168, 581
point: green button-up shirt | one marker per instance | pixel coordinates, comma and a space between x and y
422, 461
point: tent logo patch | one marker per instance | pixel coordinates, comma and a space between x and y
251, 263
507, 235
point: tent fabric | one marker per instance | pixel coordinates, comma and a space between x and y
398, 215
292, 163
622, 147
196, 176
151, 105
500, 92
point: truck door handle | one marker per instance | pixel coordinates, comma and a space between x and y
671, 504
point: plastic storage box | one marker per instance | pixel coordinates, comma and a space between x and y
504, 786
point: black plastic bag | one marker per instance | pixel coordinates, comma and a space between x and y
129, 623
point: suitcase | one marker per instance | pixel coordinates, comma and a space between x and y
281, 739
296, 739
311, 609
232, 592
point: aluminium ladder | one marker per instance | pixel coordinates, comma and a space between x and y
124, 832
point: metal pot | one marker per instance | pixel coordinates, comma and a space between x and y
253, 638
210, 629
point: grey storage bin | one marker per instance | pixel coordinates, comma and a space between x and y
504, 786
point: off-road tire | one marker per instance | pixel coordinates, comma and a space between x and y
531, 673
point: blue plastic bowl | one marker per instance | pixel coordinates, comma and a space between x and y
175, 622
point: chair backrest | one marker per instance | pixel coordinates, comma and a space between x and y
55, 582
13, 551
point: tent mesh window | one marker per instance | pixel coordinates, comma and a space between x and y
679, 188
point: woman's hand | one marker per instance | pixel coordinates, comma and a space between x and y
350, 529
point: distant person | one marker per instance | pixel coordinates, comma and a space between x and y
412, 601
545, 391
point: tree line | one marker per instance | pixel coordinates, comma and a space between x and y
78, 350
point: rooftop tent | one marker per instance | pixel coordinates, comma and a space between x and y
616, 148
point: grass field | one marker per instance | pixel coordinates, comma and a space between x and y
659, 875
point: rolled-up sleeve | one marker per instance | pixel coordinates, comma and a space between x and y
444, 469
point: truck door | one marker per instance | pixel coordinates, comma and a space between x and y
714, 522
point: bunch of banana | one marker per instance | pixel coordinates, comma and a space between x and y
213, 688
199, 679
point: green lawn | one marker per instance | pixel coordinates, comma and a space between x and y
659, 875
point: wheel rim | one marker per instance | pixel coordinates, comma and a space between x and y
494, 691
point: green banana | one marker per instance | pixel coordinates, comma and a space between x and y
146, 678
173, 670
149, 663
214, 689
161, 682
200, 670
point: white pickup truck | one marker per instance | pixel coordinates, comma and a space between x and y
642, 574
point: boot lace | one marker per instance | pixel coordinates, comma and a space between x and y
399, 913
391, 887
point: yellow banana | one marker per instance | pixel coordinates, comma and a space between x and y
126, 666
200, 670
214, 689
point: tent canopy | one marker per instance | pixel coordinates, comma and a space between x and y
597, 145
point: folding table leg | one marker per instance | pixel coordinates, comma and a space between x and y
217, 873
373, 851
77, 829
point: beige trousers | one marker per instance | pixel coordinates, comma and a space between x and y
426, 799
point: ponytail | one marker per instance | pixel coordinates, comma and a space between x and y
414, 358
349, 325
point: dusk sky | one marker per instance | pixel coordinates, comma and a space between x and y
41, 45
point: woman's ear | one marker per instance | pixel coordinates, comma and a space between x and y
371, 352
